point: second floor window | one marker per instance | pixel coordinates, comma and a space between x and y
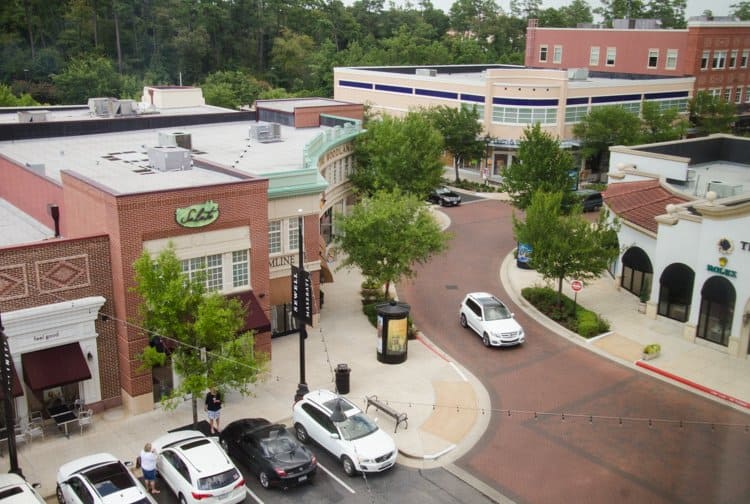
543, 53
653, 58
743, 60
733, 59
557, 54
611, 55
720, 60
704, 59
283, 236
671, 62
594, 56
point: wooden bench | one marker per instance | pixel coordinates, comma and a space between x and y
398, 417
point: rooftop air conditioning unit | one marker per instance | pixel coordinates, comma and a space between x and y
167, 158
125, 107
429, 72
32, 116
265, 132
175, 139
722, 189
100, 107
578, 74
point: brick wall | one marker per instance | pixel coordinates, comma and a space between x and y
16, 183
26, 285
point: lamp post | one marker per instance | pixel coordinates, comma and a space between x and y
6, 374
302, 388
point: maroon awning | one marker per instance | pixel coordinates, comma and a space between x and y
54, 367
16, 388
255, 318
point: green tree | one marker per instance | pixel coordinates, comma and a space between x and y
8, 99
386, 234
604, 127
659, 125
542, 165
87, 77
205, 326
232, 89
711, 114
741, 10
566, 246
460, 127
399, 152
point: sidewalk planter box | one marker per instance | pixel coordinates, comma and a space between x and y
651, 351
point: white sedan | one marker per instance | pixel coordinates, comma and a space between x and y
197, 470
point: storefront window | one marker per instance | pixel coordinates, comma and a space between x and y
675, 292
717, 309
282, 320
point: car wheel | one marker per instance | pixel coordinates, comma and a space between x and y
301, 433
462, 321
182, 499
264, 481
348, 466
59, 494
486, 339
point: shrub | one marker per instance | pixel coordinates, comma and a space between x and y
588, 324
653, 348
569, 315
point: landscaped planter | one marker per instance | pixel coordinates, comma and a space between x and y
651, 351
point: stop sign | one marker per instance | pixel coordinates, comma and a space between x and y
576, 285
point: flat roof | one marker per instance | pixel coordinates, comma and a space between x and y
17, 227
288, 105
82, 113
119, 161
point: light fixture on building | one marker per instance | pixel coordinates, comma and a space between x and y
90, 356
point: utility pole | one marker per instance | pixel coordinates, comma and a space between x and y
6, 375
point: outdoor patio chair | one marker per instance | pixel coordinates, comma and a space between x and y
85, 419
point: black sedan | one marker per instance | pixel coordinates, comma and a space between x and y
444, 197
267, 449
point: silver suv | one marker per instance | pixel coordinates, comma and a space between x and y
490, 319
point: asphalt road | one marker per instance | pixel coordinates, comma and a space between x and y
567, 424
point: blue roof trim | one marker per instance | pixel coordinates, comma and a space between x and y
472, 98
436, 94
362, 85
525, 102
394, 89
616, 98
577, 101
670, 94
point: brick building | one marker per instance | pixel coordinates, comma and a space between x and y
112, 183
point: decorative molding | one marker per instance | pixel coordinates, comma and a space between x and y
13, 282
63, 273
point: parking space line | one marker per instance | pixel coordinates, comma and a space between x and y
339, 480
252, 494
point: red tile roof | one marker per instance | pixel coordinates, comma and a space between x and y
640, 202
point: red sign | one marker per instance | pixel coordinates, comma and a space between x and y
576, 285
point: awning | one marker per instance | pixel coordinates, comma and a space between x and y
54, 367
15, 383
255, 318
326, 276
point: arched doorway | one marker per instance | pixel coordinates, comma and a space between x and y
636, 270
675, 291
717, 309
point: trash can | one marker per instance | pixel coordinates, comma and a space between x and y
342, 378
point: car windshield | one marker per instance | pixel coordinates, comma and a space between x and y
218, 480
276, 445
495, 311
443, 190
357, 426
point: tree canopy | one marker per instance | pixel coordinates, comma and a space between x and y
401, 153
603, 127
711, 114
461, 128
566, 246
541, 165
205, 326
386, 234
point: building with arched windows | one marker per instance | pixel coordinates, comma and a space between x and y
684, 207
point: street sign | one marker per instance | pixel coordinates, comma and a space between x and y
301, 295
576, 285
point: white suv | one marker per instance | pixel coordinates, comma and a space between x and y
197, 469
355, 440
15, 489
491, 320
99, 479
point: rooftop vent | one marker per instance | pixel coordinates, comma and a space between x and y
124, 107
30, 116
578, 74
37, 168
175, 139
722, 189
265, 132
429, 72
100, 107
167, 158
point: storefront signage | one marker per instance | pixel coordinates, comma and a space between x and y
201, 214
47, 337
721, 271
745, 246
725, 246
285, 260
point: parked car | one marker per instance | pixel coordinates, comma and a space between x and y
197, 470
491, 319
269, 451
99, 479
444, 197
16, 490
354, 439
590, 199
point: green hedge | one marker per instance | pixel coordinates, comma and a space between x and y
570, 315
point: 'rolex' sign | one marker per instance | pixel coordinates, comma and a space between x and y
201, 214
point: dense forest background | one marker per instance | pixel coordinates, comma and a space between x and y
64, 52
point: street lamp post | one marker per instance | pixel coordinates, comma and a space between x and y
302, 388
6, 374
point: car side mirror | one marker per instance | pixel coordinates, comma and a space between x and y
128, 463
36, 485
334, 435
